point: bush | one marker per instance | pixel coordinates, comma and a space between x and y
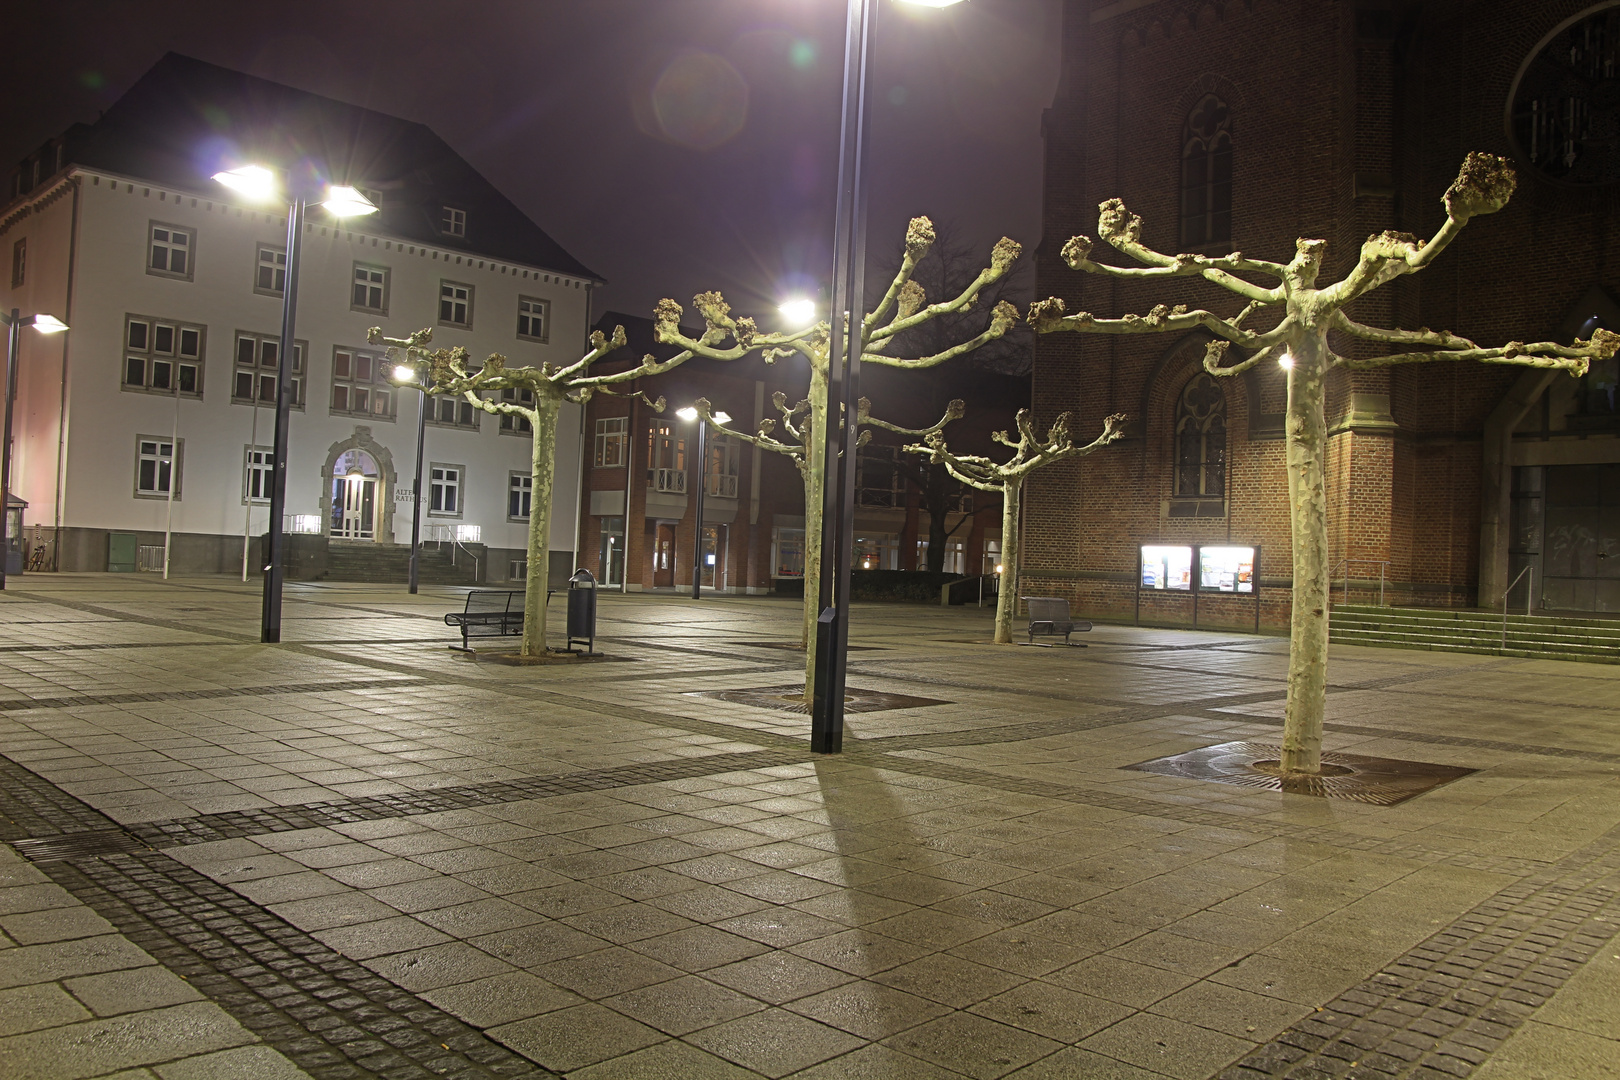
901, 586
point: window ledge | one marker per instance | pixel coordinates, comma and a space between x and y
1198, 507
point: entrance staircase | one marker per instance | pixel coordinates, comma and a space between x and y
360, 560
1540, 637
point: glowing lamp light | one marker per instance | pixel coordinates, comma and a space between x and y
800, 311
1286, 361
688, 414
404, 373
49, 324
255, 181
998, 568
932, 3
722, 418
347, 202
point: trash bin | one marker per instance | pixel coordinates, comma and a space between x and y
582, 610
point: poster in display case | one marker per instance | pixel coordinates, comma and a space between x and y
1226, 569
1167, 566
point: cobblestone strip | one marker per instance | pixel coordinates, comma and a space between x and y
1442, 1009
79, 700
330, 1016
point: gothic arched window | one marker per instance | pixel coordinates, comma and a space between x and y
1201, 439
1206, 174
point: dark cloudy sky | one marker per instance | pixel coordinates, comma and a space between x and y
671, 145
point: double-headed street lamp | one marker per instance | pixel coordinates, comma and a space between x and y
843, 389
15, 320
259, 184
690, 414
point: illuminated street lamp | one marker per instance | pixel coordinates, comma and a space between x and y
843, 389
690, 414
799, 312
15, 321
259, 184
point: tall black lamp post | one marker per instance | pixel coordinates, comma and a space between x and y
15, 320
259, 183
843, 389
689, 414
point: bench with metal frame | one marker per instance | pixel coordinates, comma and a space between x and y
489, 613
1049, 617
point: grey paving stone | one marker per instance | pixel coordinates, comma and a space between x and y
774, 1042
681, 1006
59, 960
55, 924
44, 1005
575, 1037
241, 1063
93, 1047
144, 988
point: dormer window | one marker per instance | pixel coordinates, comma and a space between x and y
455, 222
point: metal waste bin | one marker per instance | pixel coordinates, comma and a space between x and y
582, 610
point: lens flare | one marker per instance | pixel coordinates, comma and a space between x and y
700, 101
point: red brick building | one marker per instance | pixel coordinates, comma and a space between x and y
1244, 124
638, 516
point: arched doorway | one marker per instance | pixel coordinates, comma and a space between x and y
355, 480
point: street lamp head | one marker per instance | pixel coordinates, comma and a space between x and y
255, 181
49, 324
722, 417
404, 373
347, 202
1286, 361
800, 311
688, 414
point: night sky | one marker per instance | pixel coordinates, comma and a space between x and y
670, 145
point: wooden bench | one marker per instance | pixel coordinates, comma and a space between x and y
1049, 617
489, 613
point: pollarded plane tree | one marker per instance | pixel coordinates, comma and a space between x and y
904, 306
1299, 340
802, 444
1006, 478
499, 389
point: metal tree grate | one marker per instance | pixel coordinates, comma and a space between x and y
1380, 781
790, 699
78, 846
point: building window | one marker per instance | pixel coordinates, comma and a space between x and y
720, 467
1206, 175
454, 222
162, 356
448, 411
260, 473
455, 304
444, 489
271, 276
787, 553
519, 491
170, 250
257, 361
157, 466
534, 318
1201, 439
878, 479
612, 439
370, 289
512, 423
19, 262
666, 459
360, 385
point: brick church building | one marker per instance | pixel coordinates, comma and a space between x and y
1241, 125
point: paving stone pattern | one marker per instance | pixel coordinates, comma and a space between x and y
386, 861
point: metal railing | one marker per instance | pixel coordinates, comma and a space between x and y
149, 558
1345, 564
668, 481
1529, 597
449, 533
720, 486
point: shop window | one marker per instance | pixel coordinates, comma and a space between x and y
787, 553
1206, 175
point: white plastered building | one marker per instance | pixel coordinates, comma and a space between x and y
154, 413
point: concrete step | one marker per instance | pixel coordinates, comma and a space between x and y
1546, 637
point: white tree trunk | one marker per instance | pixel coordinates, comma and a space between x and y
1307, 499
542, 468
814, 480
1007, 590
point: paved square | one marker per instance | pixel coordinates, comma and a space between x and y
359, 854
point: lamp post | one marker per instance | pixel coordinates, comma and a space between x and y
405, 375
843, 389
15, 321
689, 414
258, 183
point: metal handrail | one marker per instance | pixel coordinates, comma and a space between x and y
1529, 597
1383, 567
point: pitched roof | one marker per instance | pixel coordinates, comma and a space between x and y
186, 119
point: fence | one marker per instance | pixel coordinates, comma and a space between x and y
149, 558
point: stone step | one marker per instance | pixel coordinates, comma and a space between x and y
1475, 615
1551, 635
1593, 656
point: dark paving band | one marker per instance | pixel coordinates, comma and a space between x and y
1443, 1008
74, 701
331, 1017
